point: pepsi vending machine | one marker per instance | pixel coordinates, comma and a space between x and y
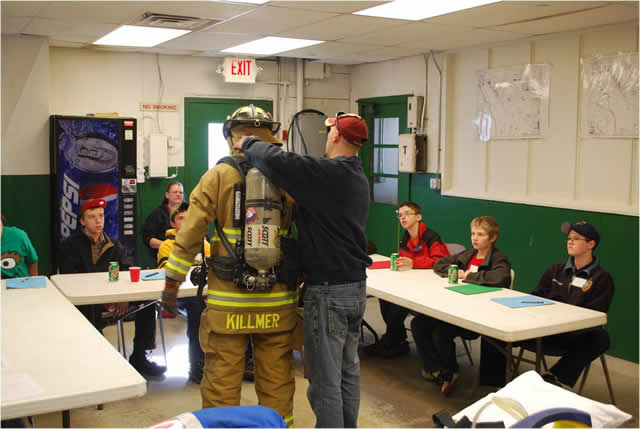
94, 158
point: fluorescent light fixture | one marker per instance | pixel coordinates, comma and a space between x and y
271, 45
144, 37
415, 10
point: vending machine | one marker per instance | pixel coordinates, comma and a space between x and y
93, 157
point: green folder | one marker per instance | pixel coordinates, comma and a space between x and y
471, 289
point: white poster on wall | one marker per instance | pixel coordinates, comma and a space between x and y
512, 102
610, 96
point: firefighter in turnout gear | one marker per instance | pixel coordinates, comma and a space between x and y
242, 300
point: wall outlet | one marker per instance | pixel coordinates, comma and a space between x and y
434, 183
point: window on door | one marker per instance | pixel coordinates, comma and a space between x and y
385, 160
217, 145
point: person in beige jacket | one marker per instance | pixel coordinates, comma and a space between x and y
233, 313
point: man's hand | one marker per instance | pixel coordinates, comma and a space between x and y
238, 144
170, 296
117, 309
404, 263
462, 274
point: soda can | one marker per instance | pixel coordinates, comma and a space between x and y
453, 274
394, 258
114, 271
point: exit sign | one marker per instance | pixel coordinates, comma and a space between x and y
240, 70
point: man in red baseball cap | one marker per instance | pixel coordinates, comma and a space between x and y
332, 197
90, 250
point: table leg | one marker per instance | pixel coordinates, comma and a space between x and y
509, 359
66, 419
538, 354
159, 311
121, 335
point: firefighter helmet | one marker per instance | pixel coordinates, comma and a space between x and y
250, 115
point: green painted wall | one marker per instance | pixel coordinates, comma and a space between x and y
26, 204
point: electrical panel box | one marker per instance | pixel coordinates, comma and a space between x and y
412, 153
158, 155
414, 111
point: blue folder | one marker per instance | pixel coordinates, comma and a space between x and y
27, 282
522, 301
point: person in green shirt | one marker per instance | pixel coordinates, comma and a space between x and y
19, 258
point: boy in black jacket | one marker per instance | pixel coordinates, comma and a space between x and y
484, 264
90, 250
583, 282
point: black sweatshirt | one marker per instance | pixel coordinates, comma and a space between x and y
332, 197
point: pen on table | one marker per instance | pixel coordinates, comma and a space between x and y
532, 302
152, 274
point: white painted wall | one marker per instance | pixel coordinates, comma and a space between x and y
38, 81
25, 105
561, 170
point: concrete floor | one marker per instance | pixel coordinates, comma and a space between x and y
393, 394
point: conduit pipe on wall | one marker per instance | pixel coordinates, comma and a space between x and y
299, 84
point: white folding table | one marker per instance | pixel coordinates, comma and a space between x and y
95, 288
425, 292
53, 359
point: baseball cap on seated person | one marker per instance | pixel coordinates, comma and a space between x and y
350, 126
93, 204
583, 228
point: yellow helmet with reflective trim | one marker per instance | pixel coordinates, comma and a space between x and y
250, 115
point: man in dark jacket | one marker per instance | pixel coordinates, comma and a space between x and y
581, 281
90, 250
332, 194
420, 248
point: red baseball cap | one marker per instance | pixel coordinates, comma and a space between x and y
350, 126
92, 204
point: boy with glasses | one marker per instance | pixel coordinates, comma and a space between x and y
483, 264
583, 282
420, 248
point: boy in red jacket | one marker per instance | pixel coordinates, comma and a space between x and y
420, 248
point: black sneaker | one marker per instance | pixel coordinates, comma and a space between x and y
249, 373
144, 366
387, 351
551, 378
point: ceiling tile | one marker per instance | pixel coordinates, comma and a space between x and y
339, 27
404, 33
206, 41
164, 51
130, 12
325, 50
599, 16
22, 8
472, 37
328, 6
79, 32
13, 25
65, 44
268, 21
510, 11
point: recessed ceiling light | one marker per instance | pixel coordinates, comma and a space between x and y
271, 45
415, 10
144, 37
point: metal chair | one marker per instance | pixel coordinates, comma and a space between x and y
454, 248
556, 351
467, 342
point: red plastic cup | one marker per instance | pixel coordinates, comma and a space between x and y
134, 272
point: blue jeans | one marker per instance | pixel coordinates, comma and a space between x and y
332, 318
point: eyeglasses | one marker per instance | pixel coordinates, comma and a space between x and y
577, 239
400, 215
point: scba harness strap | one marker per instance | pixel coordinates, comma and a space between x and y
233, 267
